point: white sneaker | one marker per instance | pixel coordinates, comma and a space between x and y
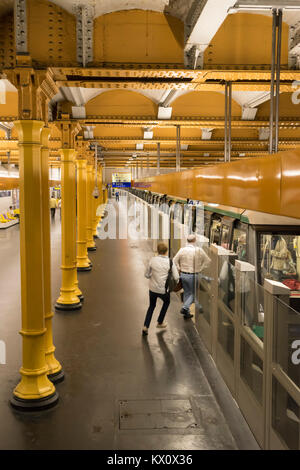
162, 325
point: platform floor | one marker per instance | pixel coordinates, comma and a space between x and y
121, 390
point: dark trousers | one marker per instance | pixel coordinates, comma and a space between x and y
52, 212
153, 296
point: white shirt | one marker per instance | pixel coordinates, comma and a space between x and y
157, 273
191, 259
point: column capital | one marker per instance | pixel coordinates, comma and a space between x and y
69, 130
29, 130
67, 155
89, 167
81, 147
90, 157
81, 163
35, 89
45, 134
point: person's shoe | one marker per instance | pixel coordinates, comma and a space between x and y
187, 316
162, 325
145, 331
183, 311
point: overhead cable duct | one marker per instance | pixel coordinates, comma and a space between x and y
177, 148
96, 190
275, 66
227, 128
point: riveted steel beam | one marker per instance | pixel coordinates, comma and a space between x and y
84, 31
20, 26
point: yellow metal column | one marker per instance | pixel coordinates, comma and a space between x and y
34, 391
95, 203
55, 372
83, 262
99, 202
68, 299
89, 202
105, 196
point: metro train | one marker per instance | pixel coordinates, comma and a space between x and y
269, 242
250, 208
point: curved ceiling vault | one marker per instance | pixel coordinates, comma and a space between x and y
101, 7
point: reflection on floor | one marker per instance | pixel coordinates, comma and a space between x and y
122, 390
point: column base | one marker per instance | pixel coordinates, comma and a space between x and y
80, 297
34, 405
57, 377
68, 307
92, 248
85, 268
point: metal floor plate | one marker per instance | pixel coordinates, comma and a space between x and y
156, 414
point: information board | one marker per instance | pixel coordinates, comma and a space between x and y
121, 180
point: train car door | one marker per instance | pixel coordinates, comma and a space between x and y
207, 223
226, 231
215, 229
240, 242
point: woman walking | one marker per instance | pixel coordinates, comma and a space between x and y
157, 273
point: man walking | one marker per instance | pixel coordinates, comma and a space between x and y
53, 205
157, 273
117, 196
190, 261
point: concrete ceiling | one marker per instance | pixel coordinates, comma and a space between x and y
101, 7
79, 96
178, 8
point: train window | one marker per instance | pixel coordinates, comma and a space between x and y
225, 238
279, 259
239, 244
178, 213
215, 231
207, 221
189, 217
194, 214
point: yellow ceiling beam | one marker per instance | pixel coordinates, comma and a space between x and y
185, 122
115, 143
196, 76
243, 78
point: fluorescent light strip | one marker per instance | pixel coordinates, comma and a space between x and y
261, 8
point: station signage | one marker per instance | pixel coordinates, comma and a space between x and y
121, 180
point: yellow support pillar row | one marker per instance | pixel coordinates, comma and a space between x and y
95, 203
69, 292
99, 202
35, 391
83, 262
91, 246
105, 196
55, 372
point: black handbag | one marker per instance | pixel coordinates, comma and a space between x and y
171, 284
